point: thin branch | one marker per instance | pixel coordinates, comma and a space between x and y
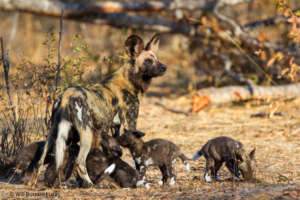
6, 65
272, 21
59, 50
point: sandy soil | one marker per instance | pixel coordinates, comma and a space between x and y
276, 139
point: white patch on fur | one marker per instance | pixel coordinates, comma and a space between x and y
138, 160
63, 131
218, 178
187, 165
116, 119
56, 103
149, 162
160, 182
140, 182
141, 168
154, 146
173, 163
195, 156
207, 178
172, 182
237, 145
79, 111
110, 169
147, 186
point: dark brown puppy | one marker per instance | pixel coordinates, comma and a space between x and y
100, 165
97, 109
157, 152
97, 162
224, 149
26, 161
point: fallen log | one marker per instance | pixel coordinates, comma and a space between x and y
229, 94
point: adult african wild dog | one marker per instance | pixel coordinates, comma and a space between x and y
91, 112
225, 149
156, 152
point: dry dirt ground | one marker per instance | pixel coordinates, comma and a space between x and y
276, 138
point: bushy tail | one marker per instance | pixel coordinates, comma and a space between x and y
184, 159
197, 155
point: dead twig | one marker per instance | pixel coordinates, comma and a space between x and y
6, 65
59, 50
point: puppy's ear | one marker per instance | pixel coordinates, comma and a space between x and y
134, 46
138, 134
252, 154
153, 44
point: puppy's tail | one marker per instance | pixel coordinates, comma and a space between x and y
197, 155
184, 159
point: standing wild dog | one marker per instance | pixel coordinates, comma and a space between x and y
158, 152
93, 111
225, 149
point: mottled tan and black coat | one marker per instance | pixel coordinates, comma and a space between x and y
156, 152
224, 149
91, 112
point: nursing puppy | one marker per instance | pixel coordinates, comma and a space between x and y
26, 161
224, 149
157, 152
107, 164
97, 164
93, 111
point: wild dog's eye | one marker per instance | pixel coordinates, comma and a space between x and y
148, 61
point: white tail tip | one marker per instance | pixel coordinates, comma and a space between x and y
110, 169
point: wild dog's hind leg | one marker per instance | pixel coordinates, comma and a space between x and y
62, 136
171, 171
164, 173
209, 168
47, 146
86, 138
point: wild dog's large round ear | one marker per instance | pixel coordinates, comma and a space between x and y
252, 154
134, 45
138, 134
153, 44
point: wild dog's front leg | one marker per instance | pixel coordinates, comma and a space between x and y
142, 177
232, 166
131, 110
86, 139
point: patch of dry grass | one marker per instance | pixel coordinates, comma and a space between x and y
277, 142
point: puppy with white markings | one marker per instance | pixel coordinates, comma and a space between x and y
224, 149
157, 152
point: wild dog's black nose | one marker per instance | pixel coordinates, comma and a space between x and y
163, 67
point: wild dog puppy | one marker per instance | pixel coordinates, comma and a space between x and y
97, 164
100, 164
27, 160
224, 149
157, 152
109, 102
